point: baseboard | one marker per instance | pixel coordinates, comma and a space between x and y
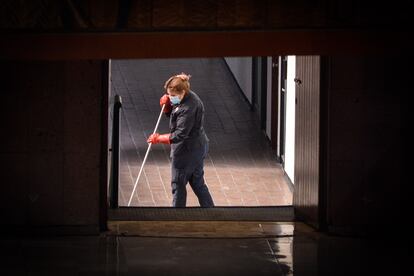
259, 213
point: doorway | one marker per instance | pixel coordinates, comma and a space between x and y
240, 170
283, 119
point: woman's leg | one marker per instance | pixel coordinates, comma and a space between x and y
179, 180
200, 188
197, 183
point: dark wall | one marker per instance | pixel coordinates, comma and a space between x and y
364, 142
153, 15
118, 29
53, 122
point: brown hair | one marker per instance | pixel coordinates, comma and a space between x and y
178, 83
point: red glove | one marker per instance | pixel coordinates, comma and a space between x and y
157, 138
166, 100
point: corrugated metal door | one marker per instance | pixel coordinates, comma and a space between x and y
306, 195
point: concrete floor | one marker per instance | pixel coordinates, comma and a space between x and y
203, 248
241, 168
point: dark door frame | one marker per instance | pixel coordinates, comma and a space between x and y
275, 105
263, 92
112, 45
105, 46
282, 112
259, 88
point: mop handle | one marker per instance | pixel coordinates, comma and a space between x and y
146, 155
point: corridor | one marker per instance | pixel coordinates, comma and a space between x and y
240, 170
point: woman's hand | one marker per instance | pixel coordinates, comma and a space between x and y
157, 138
165, 100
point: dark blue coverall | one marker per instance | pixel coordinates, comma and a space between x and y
189, 147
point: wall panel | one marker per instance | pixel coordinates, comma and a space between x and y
306, 196
51, 156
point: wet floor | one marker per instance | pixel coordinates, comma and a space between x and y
227, 248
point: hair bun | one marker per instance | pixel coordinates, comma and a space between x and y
184, 76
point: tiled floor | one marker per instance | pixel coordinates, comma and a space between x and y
240, 170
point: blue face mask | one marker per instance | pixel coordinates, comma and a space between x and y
175, 99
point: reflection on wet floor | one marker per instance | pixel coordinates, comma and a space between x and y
179, 248
241, 169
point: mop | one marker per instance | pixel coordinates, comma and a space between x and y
146, 155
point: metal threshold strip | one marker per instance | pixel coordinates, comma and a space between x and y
262, 213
